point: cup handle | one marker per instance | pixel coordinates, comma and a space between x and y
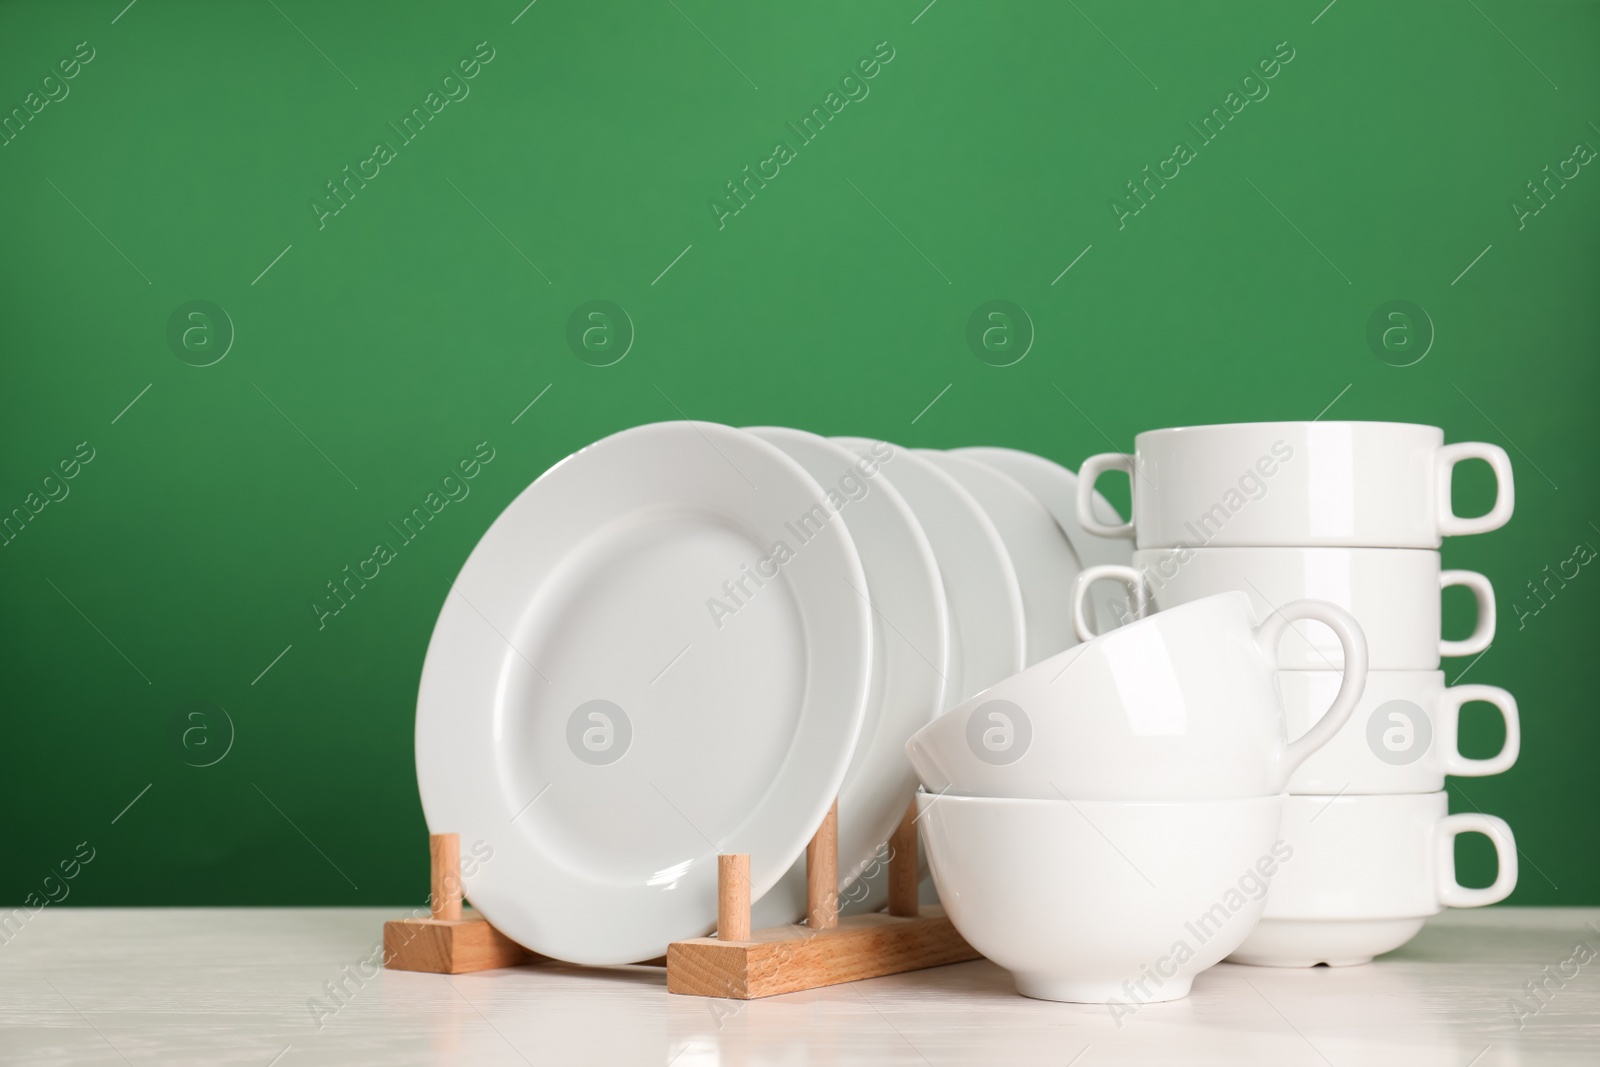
1462, 766
1452, 894
1445, 460
1088, 474
1483, 634
1351, 685
1128, 576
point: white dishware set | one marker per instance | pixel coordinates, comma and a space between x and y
687, 640
1352, 514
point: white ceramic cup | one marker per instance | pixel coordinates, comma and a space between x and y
1087, 901
1295, 483
1402, 738
1364, 874
1180, 706
1395, 593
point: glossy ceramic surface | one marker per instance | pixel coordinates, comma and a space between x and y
911, 646
1378, 484
657, 653
1403, 737
1040, 551
1363, 874
1180, 706
1097, 901
1395, 593
987, 629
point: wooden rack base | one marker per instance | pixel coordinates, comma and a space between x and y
786, 959
448, 941
449, 946
737, 963
826, 949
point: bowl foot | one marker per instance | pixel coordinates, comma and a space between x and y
1074, 991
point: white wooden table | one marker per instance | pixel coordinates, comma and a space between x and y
235, 986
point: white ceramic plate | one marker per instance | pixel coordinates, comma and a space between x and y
1045, 562
1056, 488
987, 634
653, 655
910, 641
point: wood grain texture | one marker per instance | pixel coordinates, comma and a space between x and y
903, 865
449, 946
822, 873
444, 861
733, 897
785, 959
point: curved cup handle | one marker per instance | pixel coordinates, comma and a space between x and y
1128, 576
1088, 474
1445, 460
1463, 767
1482, 634
1452, 894
1351, 685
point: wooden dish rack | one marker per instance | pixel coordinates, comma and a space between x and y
737, 963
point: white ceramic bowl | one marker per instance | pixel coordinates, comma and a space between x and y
1182, 705
1098, 901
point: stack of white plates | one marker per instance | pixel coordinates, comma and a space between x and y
688, 639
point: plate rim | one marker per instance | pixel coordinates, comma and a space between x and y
886, 757
1012, 586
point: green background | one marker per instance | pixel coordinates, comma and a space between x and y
380, 349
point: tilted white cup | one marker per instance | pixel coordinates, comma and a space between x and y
1395, 593
1383, 484
1402, 738
1364, 874
1180, 706
1101, 901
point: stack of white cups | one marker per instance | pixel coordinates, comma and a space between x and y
1351, 513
